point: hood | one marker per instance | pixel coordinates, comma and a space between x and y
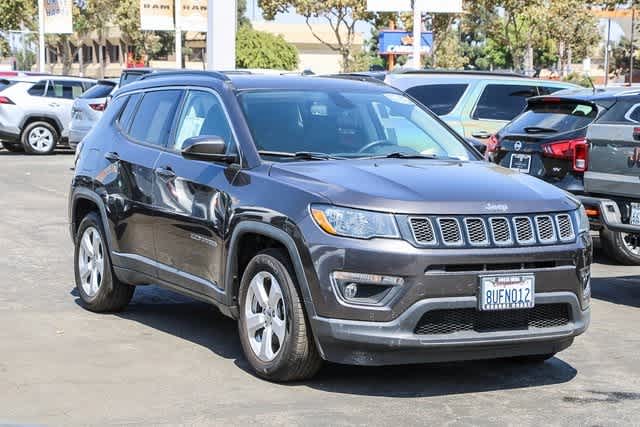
425, 186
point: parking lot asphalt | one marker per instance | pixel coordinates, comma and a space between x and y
170, 360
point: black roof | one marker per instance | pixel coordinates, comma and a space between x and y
589, 95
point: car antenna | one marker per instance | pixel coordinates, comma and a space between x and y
591, 83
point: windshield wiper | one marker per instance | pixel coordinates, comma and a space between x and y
401, 155
301, 155
537, 129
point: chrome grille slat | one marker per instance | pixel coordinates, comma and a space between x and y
476, 231
500, 231
486, 231
524, 230
450, 231
422, 229
565, 227
545, 229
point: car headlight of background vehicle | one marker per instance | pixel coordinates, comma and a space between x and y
582, 219
355, 223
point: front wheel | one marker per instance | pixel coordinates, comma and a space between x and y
622, 247
274, 332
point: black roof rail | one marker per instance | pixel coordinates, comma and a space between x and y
463, 72
182, 73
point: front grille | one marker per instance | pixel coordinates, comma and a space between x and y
482, 231
439, 322
450, 231
422, 230
501, 231
565, 227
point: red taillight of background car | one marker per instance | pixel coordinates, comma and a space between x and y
98, 107
5, 100
493, 145
575, 150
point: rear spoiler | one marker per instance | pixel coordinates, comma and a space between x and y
551, 99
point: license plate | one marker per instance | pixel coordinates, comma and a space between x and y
635, 214
520, 162
507, 292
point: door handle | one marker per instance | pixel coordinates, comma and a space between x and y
482, 134
112, 156
53, 104
165, 173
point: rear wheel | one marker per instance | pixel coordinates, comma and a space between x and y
622, 247
98, 287
274, 332
39, 138
14, 148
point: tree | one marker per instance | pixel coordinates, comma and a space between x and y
15, 15
341, 15
259, 49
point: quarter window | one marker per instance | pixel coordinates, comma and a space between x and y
127, 113
634, 114
154, 117
441, 99
503, 102
202, 115
38, 88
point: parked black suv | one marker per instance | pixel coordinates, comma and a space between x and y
549, 141
335, 219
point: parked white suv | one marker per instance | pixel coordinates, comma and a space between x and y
35, 111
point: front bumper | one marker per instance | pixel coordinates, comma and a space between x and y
610, 216
394, 342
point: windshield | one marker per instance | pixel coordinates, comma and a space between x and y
554, 117
346, 124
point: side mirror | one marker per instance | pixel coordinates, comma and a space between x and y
206, 147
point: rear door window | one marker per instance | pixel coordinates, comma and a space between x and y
441, 98
154, 117
64, 89
503, 102
554, 117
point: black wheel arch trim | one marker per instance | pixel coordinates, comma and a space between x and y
83, 193
39, 117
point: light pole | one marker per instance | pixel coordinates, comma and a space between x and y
41, 53
221, 34
178, 11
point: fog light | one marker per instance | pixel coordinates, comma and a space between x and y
368, 289
350, 291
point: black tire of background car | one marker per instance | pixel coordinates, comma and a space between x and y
25, 136
113, 295
615, 248
298, 358
14, 148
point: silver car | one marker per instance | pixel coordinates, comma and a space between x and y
88, 108
35, 111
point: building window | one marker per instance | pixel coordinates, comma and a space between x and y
87, 54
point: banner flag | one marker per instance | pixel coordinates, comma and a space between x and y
156, 15
58, 17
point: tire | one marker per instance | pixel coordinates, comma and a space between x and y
620, 247
14, 148
39, 138
107, 293
534, 358
296, 356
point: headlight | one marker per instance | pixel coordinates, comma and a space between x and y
582, 219
354, 222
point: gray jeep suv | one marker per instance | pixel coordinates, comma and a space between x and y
334, 219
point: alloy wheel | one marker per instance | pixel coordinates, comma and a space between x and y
40, 139
631, 243
91, 261
265, 316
